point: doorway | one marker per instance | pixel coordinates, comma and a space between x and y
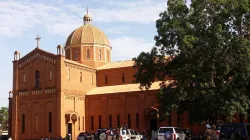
70, 128
153, 124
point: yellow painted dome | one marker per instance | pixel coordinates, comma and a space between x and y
87, 34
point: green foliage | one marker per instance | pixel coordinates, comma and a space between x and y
208, 44
4, 118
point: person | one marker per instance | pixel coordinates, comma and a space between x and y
10, 138
41, 138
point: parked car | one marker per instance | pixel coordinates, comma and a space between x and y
170, 133
130, 134
237, 131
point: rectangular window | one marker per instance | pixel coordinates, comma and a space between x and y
82, 123
50, 75
169, 119
23, 123
36, 123
24, 77
100, 122
37, 79
68, 74
50, 121
129, 121
118, 120
106, 79
92, 122
79, 124
137, 120
81, 77
123, 78
110, 121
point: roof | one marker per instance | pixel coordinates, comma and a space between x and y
118, 64
76, 63
122, 88
87, 34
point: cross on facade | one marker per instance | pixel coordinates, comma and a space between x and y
37, 39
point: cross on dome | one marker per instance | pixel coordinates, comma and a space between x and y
87, 18
37, 41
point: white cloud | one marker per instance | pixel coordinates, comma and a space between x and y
116, 30
125, 48
17, 17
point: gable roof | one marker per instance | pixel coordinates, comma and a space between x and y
36, 50
118, 64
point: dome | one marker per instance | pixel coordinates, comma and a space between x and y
87, 34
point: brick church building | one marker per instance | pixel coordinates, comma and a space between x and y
80, 89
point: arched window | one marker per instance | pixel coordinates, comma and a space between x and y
24, 78
50, 75
100, 121
137, 120
106, 79
37, 79
50, 121
82, 123
110, 121
107, 55
76, 54
23, 123
99, 54
81, 77
79, 123
123, 78
88, 53
36, 123
129, 121
118, 120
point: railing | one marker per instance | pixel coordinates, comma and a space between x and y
50, 91
23, 93
36, 91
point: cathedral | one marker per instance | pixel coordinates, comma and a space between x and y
79, 89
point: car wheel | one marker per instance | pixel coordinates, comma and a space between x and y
102, 136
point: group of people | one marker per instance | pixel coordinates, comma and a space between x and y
211, 132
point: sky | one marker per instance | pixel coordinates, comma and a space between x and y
129, 25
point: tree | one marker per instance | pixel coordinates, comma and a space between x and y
4, 118
208, 48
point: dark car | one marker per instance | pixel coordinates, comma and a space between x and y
100, 134
235, 131
83, 136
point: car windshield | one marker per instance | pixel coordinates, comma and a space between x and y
164, 130
132, 132
178, 130
124, 132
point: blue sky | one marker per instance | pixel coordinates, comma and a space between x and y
129, 25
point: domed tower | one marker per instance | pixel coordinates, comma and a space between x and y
88, 45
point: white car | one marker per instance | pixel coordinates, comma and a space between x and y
129, 134
173, 133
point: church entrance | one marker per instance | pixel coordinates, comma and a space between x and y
70, 128
153, 120
153, 124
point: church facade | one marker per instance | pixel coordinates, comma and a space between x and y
79, 89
